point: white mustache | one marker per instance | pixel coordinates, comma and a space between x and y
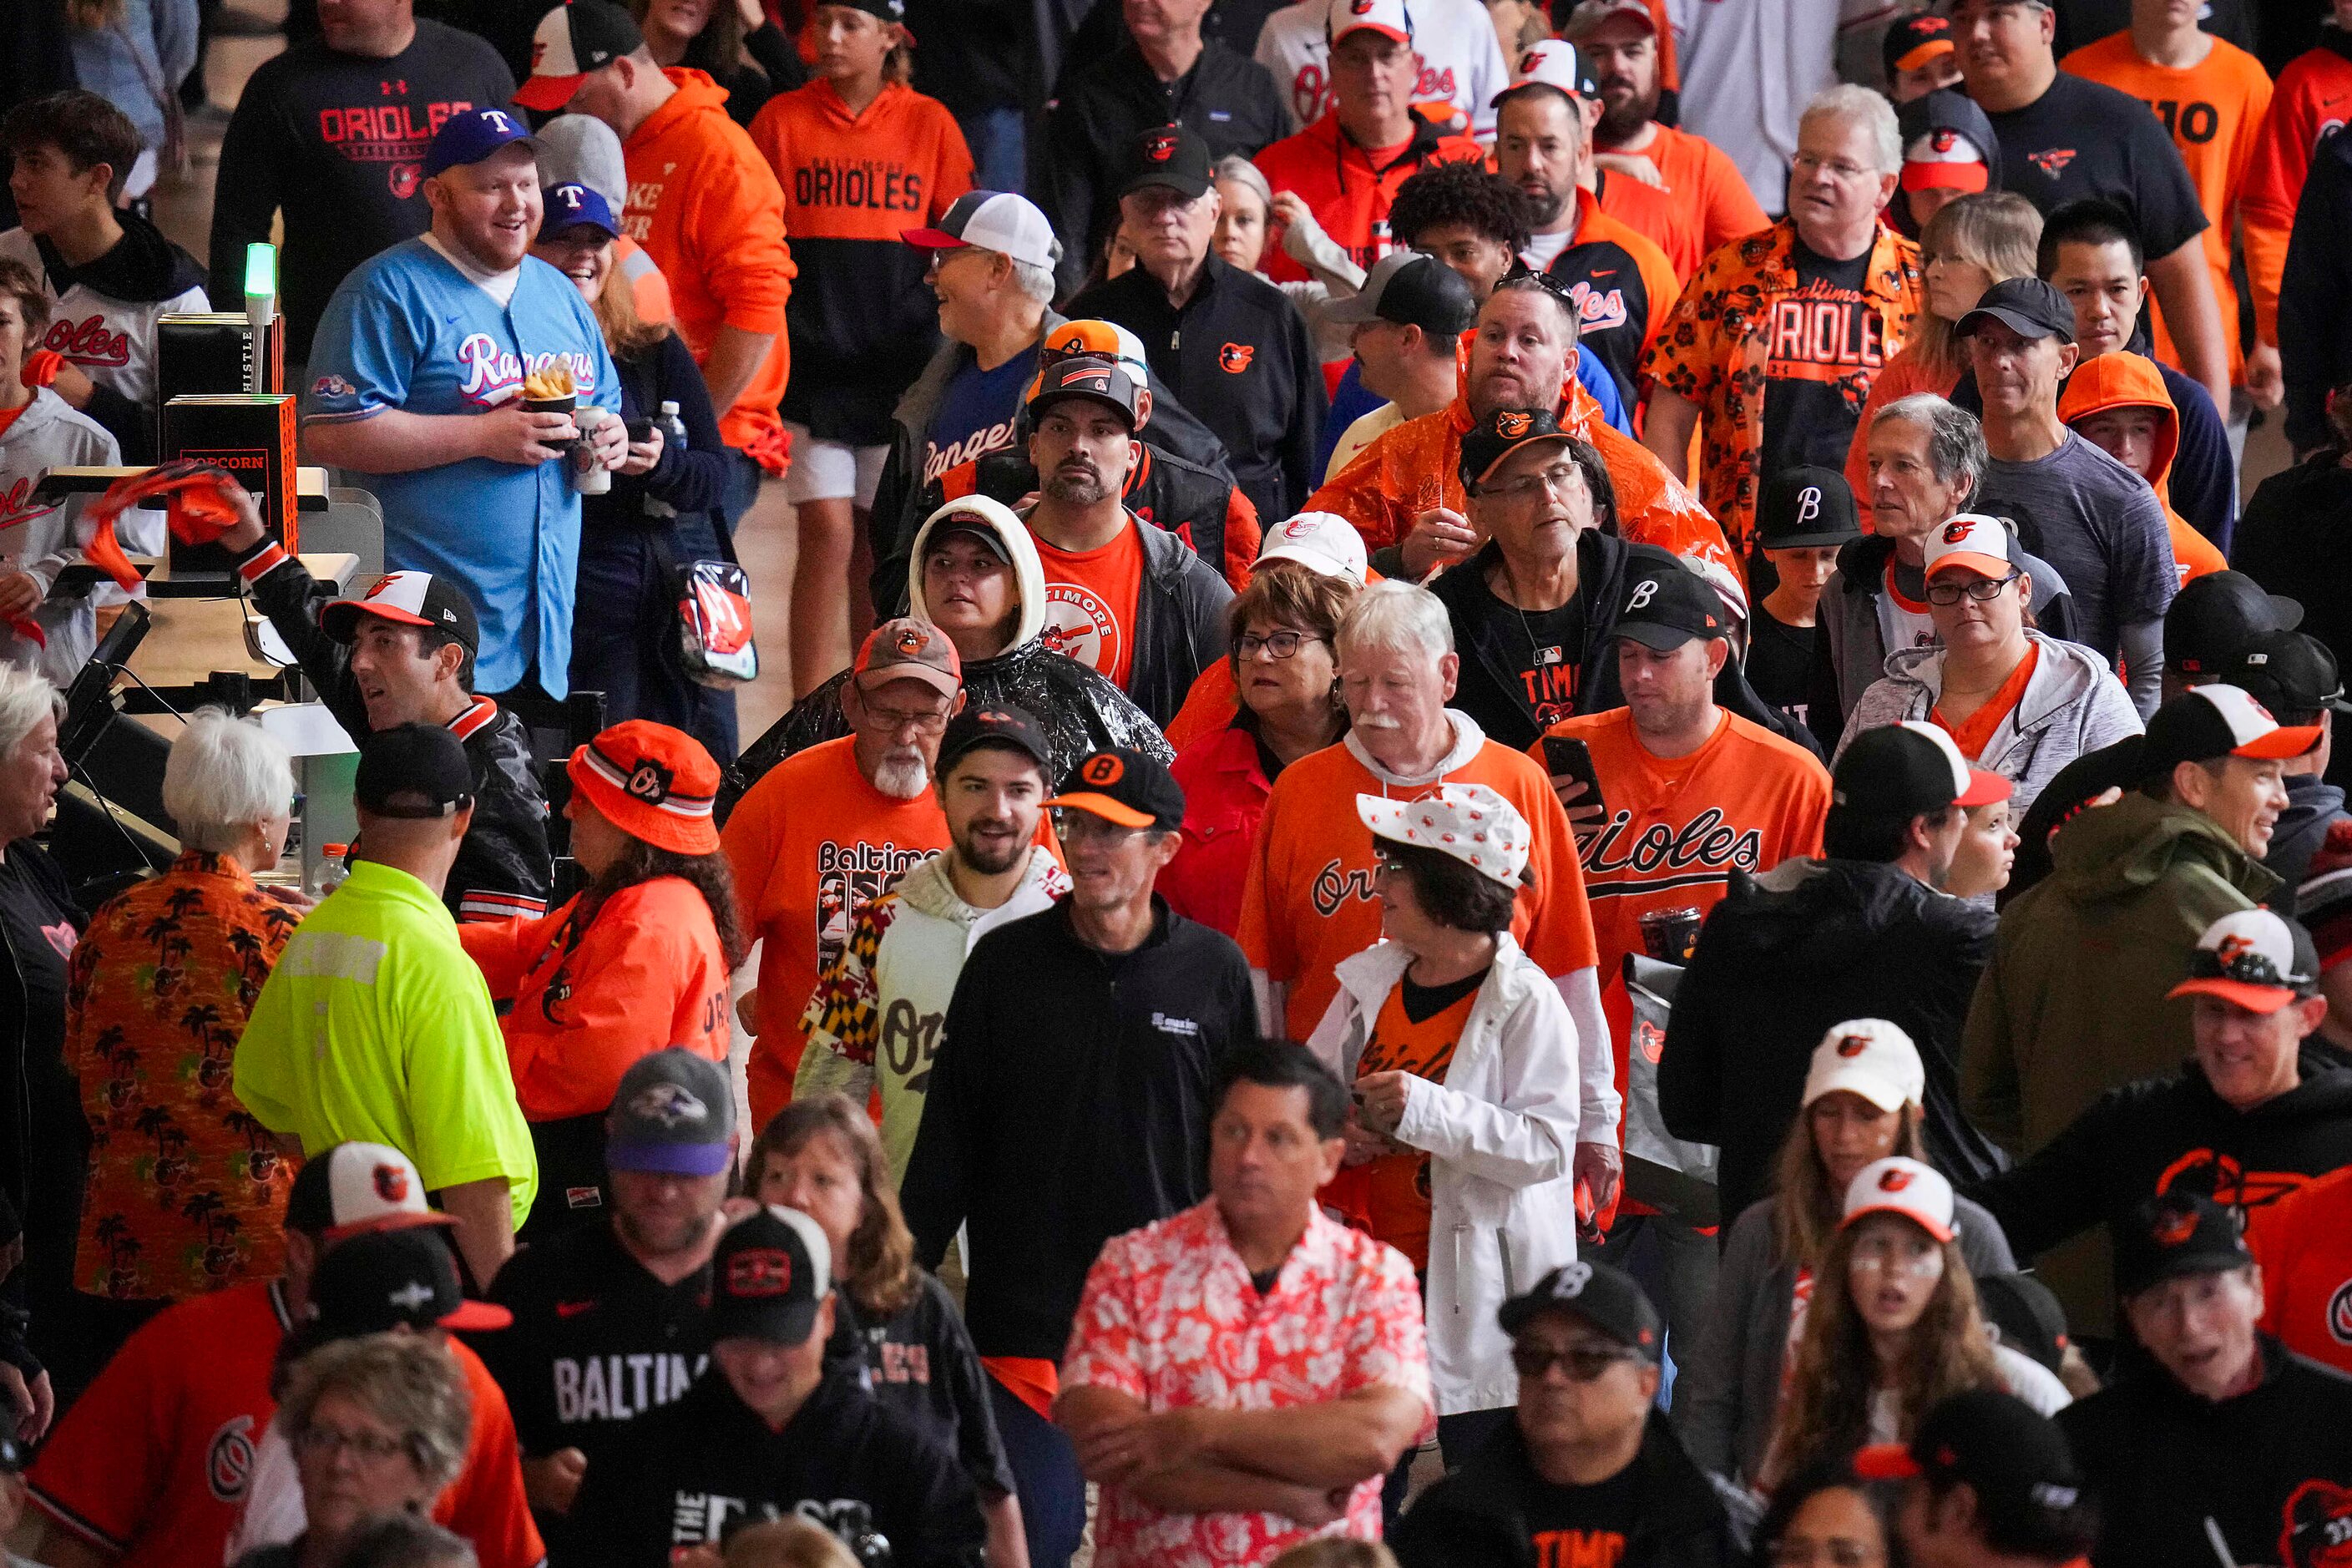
1377, 721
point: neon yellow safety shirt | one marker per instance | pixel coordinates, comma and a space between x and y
376, 1025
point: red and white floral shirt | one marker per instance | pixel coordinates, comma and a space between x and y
1170, 1317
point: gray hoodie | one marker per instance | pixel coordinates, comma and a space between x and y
2072, 704
39, 538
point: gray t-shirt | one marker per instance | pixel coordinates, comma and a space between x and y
2098, 523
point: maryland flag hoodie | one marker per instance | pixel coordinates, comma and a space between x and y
707, 207
2132, 381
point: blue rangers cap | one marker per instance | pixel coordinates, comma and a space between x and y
472, 135
569, 207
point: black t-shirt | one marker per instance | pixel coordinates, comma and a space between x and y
1780, 661
338, 142
2085, 139
1583, 1524
1422, 1003
921, 1363
1826, 342
1532, 654
41, 933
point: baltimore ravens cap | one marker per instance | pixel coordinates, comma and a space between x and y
674, 1115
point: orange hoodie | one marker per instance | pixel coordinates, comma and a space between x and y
2130, 381
707, 207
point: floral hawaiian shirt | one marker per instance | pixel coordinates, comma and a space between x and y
1169, 1318
187, 1192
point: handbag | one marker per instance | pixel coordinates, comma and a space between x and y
714, 642
1661, 1170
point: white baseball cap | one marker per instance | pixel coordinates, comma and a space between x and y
1322, 541
2254, 959
1972, 540
1896, 1185
992, 220
1469, 822
1553, 63
355, 1187
1388, 17
1871, 1058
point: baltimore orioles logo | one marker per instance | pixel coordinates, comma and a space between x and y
391, 1183
1894, 1181
1853, 1045
1158, 146
1089, 378
760, 1271
1651, 1041
2340, 1314
2318, 1529
1530, 61
1359, 8
1955, 532
649, 780
1944, 141
1511, 427
1235, 358
1103, 771
2051, 161
911, 641
2173, 1227
2219, 1177
2232, 948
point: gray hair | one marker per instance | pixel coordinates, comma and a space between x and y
407, 1539
1241, 171
1396, 616
224, 774
1849, 101
411, 1384
26, 699
1035, 281
1956, 443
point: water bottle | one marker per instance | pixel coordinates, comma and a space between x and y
673, 429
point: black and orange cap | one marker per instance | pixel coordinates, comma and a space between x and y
1125, 786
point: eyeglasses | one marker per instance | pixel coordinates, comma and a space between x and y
1836, 168
1281, 645
1560, 480
1982, 590
929, 722
371, 1447
1583, 1363
1072, 823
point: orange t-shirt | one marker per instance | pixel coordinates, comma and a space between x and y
1090, 602
1309, 901
1677, 828
1710, 203
2215, 111
1391, 1193
2304, 1245
1658, 215
1973, 733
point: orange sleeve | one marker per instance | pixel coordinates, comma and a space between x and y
1361, 493
1729, 206
505, 950
1559, 928
107, 1466
1243, 538
485, 1505
750, 270
645, 969
773, 136
952, 174
749, 841
1261, 931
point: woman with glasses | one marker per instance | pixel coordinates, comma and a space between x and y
1893, 1327
379, 1426
1861, 1104
1284, 662
2015, 702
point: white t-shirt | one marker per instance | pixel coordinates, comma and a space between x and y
1460, 59
1366, 430
1543, 249
1747, 71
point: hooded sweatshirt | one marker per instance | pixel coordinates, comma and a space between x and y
40, 536
103, 320
2072, 703
707, 208
2125, 379
1348, 189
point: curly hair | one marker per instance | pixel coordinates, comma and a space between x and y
1463, 194
709, 874
1946, 1351
879, 1272
409, 1381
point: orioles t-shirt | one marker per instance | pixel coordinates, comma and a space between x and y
1821, 334
2082, 139
1571, 1526
1416, 1031
1090, 602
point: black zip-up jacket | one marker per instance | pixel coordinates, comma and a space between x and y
2314, 325
1180, 623
1781, 960
1476, 1517
504, 867
1105, 105
2272, 1468
689, 480
1486, 691
1069, 1102
1238, 355
2313, 806
44, 1143
143, 268
2293, 540
706, 1463
2173, 1135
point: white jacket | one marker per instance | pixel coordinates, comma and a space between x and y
1502, 1129
40, 539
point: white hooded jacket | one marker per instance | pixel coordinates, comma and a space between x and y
40, 539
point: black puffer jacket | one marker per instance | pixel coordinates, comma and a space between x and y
504, 867
1196, 503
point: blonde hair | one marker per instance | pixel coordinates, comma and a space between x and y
1997, 230
626, 334
787, 1543
411, 1384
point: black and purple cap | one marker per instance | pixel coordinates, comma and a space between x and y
673, 1115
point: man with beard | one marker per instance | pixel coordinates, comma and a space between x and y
829, 829
1131, 601
1712, 206
876, 1014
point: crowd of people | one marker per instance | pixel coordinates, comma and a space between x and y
1549, 801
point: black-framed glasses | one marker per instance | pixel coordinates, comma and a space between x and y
1281, 645
1584, 1363
1562, 479
1980, 590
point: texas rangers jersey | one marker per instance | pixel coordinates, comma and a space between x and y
408, 331
1461, 59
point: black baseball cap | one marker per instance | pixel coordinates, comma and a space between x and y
408, 599
1909, 769
2206, 723
1805, 508
1091, 376
1122, 786
2174, 1234
1170, 155
414, 770
673, 1114
2026, 1314
1413, 290
973, 525
1502, 433
1000, 724
2026, 306
384, 1279
1913, 41
1666, 604
770, 1272
2288, 672
1604, 1295
2014, 1457
2214, 616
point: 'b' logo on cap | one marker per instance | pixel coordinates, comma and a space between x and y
1104, 770
1808, 504
1643, 591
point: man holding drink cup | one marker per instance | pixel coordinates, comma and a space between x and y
468, 383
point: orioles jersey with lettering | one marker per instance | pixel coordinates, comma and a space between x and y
1309, 901
1623, 288
861, 321
1676, 829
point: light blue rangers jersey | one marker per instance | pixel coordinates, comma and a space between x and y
408, 331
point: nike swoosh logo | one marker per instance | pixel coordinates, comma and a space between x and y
1611, 273
572, 1308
